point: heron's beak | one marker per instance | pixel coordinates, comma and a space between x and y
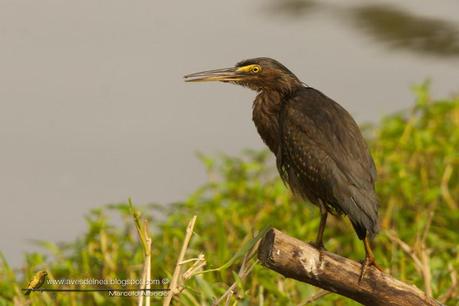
223, 75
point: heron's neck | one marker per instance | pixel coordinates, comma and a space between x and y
265, 114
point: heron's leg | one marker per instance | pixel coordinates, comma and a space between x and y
369, 259
319, 243
323, 221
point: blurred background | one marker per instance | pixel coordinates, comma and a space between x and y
94, 109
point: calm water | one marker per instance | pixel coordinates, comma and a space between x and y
94, 109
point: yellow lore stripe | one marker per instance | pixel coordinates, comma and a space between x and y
248, 68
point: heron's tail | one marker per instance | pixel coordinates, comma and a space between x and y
364, 213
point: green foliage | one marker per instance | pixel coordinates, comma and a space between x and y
418, 185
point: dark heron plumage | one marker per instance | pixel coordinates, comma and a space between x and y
320, 152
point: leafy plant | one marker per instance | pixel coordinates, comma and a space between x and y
417, 159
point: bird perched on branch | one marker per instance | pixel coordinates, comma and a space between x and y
36, 282
320, 152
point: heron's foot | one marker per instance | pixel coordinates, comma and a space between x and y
320, 247
368, 261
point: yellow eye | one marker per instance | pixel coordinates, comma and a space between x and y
256, 69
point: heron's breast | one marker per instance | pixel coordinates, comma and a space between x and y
265, 115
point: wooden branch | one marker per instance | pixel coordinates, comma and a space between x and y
298, 260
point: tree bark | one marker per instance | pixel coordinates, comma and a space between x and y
298, 260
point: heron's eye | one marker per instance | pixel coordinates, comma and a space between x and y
256, 69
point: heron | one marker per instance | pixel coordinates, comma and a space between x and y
320, 152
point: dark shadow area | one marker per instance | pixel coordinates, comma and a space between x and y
293, 8
401, 29
393, 26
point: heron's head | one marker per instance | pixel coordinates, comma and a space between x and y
260, 74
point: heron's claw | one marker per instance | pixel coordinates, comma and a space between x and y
368, 261
320, 247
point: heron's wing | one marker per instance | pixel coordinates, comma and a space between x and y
326, 148
332, 129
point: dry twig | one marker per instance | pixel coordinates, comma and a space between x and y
174, 285
145, 239
454, 285
321, 293
243, 272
